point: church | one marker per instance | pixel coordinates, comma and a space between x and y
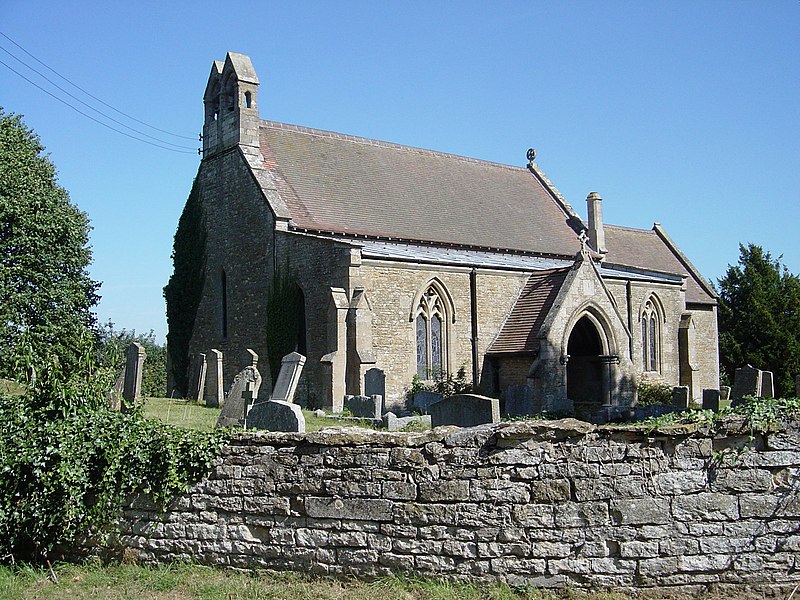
408, 264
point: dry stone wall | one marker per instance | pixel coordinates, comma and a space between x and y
553, 504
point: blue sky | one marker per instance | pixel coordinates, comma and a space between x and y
686, 113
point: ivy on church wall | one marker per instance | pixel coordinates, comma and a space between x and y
185, 287
285, 327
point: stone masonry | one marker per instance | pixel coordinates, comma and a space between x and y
550, 504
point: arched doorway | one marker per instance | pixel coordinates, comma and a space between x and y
585, 373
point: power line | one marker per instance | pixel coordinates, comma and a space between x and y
88, 93
125, 133
90, 107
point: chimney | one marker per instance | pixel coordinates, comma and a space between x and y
597, 237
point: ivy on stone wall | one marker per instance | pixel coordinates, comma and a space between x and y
284, 319
185, 287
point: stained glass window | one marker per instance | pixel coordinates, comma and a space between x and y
651, 337
422, 347
431, 333
436, 344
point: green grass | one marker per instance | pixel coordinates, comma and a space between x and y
185, 582
183, 413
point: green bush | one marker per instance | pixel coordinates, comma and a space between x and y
114, 343
654, 392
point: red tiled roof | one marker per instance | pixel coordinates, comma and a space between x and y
341, 183
644, 248
520, 331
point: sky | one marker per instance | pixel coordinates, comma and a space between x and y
684, 112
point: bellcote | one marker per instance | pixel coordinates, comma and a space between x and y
231, 105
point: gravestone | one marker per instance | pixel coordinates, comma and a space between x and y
289, 376
276, 415
375, 382
767, 389
797, 387
518, 400
746, 382
680, 397
114, 396
244, 390
134, 363
423, 400
465, 410
725, 393
368, 407
394, 423
214, 394
711, 400
249, 359
197, 383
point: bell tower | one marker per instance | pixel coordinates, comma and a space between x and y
231, 105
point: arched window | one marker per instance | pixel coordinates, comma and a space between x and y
431, 331
651, 336
248, 100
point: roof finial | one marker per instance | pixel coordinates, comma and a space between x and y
531, 155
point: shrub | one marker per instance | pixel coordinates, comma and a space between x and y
654, 392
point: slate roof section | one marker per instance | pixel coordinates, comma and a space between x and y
520, 331
339, 183
645, 248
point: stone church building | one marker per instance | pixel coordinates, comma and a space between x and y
413, 262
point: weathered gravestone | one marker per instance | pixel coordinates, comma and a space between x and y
518, 400
394, 423
197, 382
767, 389
423, 400
368, 407
680, 397
725, 393
244, 390
214, 394
375, 382
134, 363
746, 382
114, 396
465, 410
276, 415
711, 400
288, 377
249, 359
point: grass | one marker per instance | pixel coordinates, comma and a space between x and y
183, 413
185, 582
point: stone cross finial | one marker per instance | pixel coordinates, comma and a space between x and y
584, 240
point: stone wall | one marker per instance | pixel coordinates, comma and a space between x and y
553, 504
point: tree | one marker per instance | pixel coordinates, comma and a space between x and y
759, 318
114, 342
46, 294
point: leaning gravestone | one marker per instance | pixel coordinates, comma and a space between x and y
518, 400
214, 394
134, 363
422, 401
375, 382
746, 382
250, 358
465, 410
767, 389
114, 397
288, 377
367, 407
197, 383
244, 390
725, 393
276, 415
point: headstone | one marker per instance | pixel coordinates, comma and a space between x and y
465, 410
276, 415
725, 393
250, 359
197, 383
114, 396
797, 387
711, 400
422, 401
746, 382
394, 423
368, 407
767, 388
214, 394
134, 363
244, 390
518, 400
289, 376
375, 382
680, 397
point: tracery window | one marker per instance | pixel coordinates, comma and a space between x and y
651, 337
431, 333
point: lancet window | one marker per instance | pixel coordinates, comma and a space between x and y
431, 333
651, 336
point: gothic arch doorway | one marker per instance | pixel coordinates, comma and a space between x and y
587, 383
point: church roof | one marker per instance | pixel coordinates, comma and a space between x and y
346, 184
653, 249
520, 331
